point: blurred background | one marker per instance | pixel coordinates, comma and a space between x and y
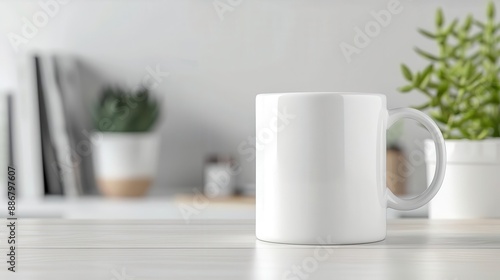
201, 64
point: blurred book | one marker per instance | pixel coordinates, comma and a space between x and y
4, 139
29, 148
67, 159
51, 172
55, 128
10, 131
73, 92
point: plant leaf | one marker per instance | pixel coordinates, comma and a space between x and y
405, 89
422, 107
479, 24
442, 88
426, 55
417, 79
490, 10
483, 134
439, 18
451, 27
427, 33
437, 116
428, 70
425, 81
464, 132
406, 72
468, 23
425, 77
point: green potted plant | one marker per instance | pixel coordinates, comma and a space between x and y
126, 155
462, 87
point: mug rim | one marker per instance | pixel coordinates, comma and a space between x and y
342, 93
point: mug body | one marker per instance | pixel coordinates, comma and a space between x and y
321, 167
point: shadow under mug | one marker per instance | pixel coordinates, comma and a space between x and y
321, 164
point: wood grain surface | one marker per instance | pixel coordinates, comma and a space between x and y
122, 250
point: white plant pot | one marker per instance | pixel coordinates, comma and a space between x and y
125, 163
471, 188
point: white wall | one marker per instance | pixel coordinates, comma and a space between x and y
218, 66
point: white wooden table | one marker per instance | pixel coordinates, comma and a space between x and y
214, 249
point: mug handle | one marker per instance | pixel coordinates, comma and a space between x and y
397, 203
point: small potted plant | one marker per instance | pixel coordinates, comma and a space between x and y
462, 86
126, 155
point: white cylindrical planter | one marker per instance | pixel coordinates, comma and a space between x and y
125, 163
471, 188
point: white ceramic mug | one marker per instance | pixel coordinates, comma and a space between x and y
321, 167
